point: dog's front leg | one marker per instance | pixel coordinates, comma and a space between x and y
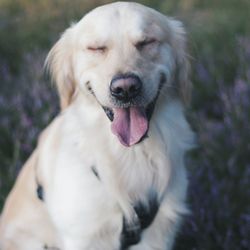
161, 234
105, 238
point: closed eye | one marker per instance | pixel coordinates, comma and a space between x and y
100, 49
141, 44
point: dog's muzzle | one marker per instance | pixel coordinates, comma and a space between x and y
130, 123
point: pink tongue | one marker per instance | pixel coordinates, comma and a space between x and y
129, 125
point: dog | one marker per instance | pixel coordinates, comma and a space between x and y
108, 173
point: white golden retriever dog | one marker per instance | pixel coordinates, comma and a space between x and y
108, 173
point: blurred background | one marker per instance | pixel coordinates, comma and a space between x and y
219, 44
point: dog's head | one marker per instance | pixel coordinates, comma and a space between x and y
124, 56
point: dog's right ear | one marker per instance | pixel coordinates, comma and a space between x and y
59, 64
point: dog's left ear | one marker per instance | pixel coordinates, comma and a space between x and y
59, 65
178, 42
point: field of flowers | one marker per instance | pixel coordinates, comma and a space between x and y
219, 169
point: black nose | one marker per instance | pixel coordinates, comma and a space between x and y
125, 87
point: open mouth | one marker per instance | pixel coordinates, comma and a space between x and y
130, 124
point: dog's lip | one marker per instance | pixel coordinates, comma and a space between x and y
149, 110
109, 113
130, 114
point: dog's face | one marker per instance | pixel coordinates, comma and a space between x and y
123, 55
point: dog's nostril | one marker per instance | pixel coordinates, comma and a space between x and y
125, 87
132, 89
118, 90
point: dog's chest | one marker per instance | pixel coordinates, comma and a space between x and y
91, 180
139, 172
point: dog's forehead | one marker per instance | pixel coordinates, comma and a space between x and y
120, 18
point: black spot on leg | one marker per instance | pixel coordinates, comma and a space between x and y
131, 234
93, 168
90, 88
46, 247
40, 192
147, 212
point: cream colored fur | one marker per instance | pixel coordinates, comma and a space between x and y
81, 212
